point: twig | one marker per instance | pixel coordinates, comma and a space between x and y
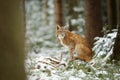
61, 56
47, 63
54, 62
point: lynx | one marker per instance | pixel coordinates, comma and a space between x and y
75, 44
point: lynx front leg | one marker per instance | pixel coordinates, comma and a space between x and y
71, 51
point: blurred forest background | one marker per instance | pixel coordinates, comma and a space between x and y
29, 26
92, 18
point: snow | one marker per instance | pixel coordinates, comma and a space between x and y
104, 45
43, 58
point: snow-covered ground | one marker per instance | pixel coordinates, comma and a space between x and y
47, 60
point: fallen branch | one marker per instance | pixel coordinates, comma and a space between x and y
47, 63
54, 62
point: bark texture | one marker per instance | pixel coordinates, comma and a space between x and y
93, 20
58, 12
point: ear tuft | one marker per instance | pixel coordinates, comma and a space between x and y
65, 27
58, 27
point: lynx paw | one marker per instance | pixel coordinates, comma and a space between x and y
70, 60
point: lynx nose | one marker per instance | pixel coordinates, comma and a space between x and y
63, 35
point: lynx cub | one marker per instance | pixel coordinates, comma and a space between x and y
75, 44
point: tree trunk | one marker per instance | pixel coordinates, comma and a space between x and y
58, 12
12, 40
71, 13
116, 49
118, 12
112, 14
93, 20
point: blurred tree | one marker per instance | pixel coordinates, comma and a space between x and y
104, 11
58, 12
12, 40
112, 14
118, 12
93, 20
116, 50
71, 4
46, 12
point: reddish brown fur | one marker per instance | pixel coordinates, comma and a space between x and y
76, 44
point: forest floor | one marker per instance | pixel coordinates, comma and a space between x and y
47, 60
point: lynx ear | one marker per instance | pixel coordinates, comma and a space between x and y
57, 27
65, 27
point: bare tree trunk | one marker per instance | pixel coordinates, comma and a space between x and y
12, 40
116, 50
71, 13
118, 12
93, 20
112, 14
58, 12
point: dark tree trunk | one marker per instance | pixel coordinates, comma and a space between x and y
116, 49
112, 14
118, 12
71, 13
58, 12
93, 20
12, 30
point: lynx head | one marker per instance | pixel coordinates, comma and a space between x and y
60, 31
